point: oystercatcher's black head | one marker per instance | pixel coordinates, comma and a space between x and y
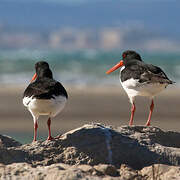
131, 55
127, 56
42, 70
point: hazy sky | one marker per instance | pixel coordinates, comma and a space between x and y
84, 1
161, 16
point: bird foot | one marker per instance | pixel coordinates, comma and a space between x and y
50, 138
58, 137
148, 124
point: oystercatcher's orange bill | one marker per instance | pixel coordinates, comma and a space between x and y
34, 77
115, 67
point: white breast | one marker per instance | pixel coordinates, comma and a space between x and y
49, 107
134, 88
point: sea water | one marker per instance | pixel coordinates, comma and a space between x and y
78, 68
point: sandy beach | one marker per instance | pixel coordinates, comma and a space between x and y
107, 105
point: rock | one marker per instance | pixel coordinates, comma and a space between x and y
107, 169
52, 172
6, 141
136, 146
127, 173
96, 151
140, 146
160, 171
58, 172
85, 168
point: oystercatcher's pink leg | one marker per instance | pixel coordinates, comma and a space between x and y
133, 109
49, 129
35, 131
148, 123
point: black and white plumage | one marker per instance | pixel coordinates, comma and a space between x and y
44, 96
140, 79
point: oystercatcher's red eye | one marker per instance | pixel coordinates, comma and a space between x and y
124, 55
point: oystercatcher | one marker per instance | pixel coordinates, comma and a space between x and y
140, 79
44, 96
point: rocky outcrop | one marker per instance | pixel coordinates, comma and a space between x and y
95, 151
161, 171
62, 171
6, 141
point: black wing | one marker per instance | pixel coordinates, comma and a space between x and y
154, 74
45, 89
145, 73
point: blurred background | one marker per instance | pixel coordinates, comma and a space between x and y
81, 40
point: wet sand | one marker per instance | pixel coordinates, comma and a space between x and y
103, 105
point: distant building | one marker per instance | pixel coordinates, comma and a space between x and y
69, 38
111, 38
